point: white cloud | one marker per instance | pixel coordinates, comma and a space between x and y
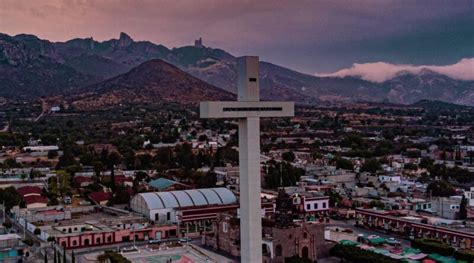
382, 71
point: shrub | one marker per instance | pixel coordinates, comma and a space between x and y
430, 245
112, 257
29, 242
466, 255
358, 255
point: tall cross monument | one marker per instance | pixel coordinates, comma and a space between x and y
248, 109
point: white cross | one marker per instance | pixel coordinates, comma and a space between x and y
248, 109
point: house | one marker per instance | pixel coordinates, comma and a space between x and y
34, 201
11, 248
122, 180
29, 191
470, 196
82, 181
32, 196
163, 184
100, 198
446, 207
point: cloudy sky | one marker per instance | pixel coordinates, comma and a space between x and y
322, 36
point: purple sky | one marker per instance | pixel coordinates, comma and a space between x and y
310, 36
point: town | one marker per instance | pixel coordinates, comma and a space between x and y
382, 181
210, 131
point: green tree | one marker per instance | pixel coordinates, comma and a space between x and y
426, 162
52, 154
440, 188
206, 180
64, 179
288, 156
113, 159
462, 215
10, 196
371, 165
342, 163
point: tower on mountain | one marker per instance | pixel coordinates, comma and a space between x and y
198, 43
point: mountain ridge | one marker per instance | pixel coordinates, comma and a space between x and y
93, 61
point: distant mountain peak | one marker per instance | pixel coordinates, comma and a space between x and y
124, 40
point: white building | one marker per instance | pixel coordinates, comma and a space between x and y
163, 207
470, 196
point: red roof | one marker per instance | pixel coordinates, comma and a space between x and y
129, 191
82, 179
32, 199
100, 196
122, 179
29, 190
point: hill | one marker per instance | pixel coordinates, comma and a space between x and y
152, 82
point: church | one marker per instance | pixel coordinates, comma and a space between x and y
283, 236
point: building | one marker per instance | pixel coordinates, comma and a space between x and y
163, 206
459, 236
43, 214
193, 210
103, 226
470, 196
33, 201
283, 237
82, 181
32, 196
446, 207
25, 191
198, 43
163, 184
100, 198
40, 150
11, 248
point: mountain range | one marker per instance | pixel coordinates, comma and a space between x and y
31, 67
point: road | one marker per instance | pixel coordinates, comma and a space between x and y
44, 109
6, 127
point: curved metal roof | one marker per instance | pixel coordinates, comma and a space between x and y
186, 198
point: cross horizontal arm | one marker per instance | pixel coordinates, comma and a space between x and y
245, 109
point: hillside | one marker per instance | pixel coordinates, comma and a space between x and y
154, 81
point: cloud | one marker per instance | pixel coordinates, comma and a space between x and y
382, 71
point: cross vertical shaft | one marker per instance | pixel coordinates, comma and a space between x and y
249, 165
248, 110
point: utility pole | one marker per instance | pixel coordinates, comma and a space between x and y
4, 211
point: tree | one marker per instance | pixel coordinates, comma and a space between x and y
462, 215
10, 196
64, 181
67, 159
410, 166
440, 188
288, 156
207, 180
342, 163
121, 195
426, 162
282, 174
52, 154
371, 166
113, 159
